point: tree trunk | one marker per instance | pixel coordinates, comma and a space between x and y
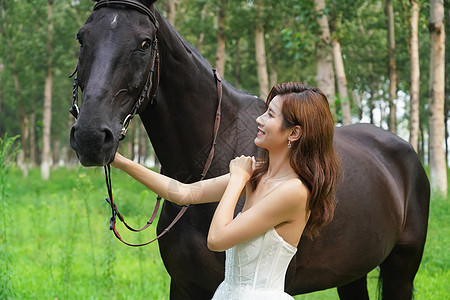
71, 157
421, 147
33, 138
372, 94
220, 52
171, 11
341, 82
392, 121
276, 49
56, 151
358, 104
415, 75
201, 35
260, 50
438, 168
142, 153
237, 66
325, 72
47, 113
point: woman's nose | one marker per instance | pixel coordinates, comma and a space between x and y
258, 120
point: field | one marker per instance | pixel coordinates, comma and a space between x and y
56, 243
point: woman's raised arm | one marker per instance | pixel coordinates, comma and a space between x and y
209, 190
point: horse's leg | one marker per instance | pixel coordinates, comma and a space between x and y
188, 291
400, 267
398, 272
354, 290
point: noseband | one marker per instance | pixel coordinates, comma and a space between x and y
148, 92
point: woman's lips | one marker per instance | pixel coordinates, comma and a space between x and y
260, 132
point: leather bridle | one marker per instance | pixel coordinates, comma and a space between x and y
147, 96
148, 92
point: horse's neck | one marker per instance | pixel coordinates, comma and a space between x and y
180, 125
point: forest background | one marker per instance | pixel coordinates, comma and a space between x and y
381, 62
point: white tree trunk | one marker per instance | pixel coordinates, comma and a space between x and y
392, 121
47, 114
415, 75
438, 168
260, 50
341, 82
220, 52
325, 72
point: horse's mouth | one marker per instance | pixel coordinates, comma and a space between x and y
93, 150
94, 160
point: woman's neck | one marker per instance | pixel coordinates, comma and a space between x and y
279, 164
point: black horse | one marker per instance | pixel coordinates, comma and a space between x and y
382, 214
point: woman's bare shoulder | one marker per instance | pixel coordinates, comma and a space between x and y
291, 193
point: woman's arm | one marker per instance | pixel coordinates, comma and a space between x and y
286, 203
210, 190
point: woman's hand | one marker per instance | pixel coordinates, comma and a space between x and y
243, 166
119, 161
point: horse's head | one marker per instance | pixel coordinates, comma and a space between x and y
117, 52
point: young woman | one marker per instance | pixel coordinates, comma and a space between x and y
291, 186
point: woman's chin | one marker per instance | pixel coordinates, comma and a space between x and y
258, 142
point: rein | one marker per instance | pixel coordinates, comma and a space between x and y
114, 210
147, 95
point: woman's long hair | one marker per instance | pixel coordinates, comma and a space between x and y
312, 156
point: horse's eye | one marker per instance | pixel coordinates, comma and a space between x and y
145, 45
79, 38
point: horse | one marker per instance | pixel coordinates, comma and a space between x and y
132, 59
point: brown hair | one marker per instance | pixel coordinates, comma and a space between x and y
312, 156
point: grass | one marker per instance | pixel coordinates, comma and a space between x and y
58, 243
62, 247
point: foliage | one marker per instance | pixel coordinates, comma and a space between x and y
290, 30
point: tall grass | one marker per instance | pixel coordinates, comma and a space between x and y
8, 150
60, 245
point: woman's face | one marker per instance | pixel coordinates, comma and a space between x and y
271, 134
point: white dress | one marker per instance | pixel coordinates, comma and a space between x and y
256, 269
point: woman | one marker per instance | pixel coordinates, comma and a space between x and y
293, 185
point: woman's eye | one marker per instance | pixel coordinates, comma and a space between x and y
145, 45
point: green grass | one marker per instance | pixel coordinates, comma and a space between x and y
59, 244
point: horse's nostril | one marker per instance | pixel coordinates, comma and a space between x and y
109, 137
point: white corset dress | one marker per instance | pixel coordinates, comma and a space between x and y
256, 269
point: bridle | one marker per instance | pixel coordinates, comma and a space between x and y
148, 93
147, 96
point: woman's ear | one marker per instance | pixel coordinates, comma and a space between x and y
296, 133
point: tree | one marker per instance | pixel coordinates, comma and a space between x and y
325, 72
392, 121
47, 116
438, 170
171, 11
415, 75
220, 53
341, 82
260, 50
